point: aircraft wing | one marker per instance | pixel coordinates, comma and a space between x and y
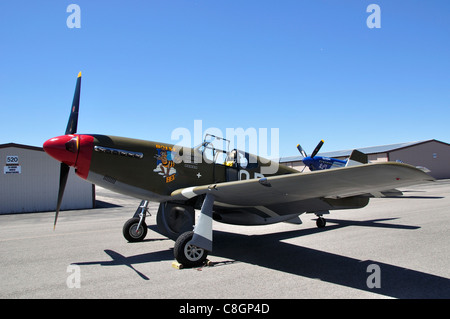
333, 184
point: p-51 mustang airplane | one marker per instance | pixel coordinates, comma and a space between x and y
185, 179
314, 162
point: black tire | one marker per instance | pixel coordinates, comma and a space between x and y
186, 254
129, 230
321, 222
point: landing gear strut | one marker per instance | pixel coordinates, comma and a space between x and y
192, 247
135, 229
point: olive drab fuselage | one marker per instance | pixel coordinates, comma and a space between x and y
157, 169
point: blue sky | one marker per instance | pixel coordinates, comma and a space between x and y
312, 69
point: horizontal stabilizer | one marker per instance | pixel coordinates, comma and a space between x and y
392, 193
386, 193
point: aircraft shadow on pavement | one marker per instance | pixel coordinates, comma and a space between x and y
415, 196
102, 204
120, 260
269, 250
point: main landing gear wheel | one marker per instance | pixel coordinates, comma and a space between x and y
133, 232
187, 254
321, 222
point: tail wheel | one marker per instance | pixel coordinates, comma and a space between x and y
187, 254
321, 222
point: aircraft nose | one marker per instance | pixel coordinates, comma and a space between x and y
73, 150
307, 161
63, 148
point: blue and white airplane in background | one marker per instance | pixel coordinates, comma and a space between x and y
316, 163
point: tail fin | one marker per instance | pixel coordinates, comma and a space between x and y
357, 158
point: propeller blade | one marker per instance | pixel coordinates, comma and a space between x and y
316, 150
64, 173
73, 119
301, 150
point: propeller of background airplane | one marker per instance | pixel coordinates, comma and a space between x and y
314, 153
71, 145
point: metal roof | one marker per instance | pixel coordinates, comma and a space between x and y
367, 150
27, 147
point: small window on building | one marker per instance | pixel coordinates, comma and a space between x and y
434, 155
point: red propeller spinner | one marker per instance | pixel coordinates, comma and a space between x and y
73, 150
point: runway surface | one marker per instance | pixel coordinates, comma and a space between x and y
393, 248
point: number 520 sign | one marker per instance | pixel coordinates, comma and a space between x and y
12, 165
12, 160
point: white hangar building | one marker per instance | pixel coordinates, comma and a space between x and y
432, 154
29, 182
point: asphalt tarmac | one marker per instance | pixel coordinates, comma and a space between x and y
393, 248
